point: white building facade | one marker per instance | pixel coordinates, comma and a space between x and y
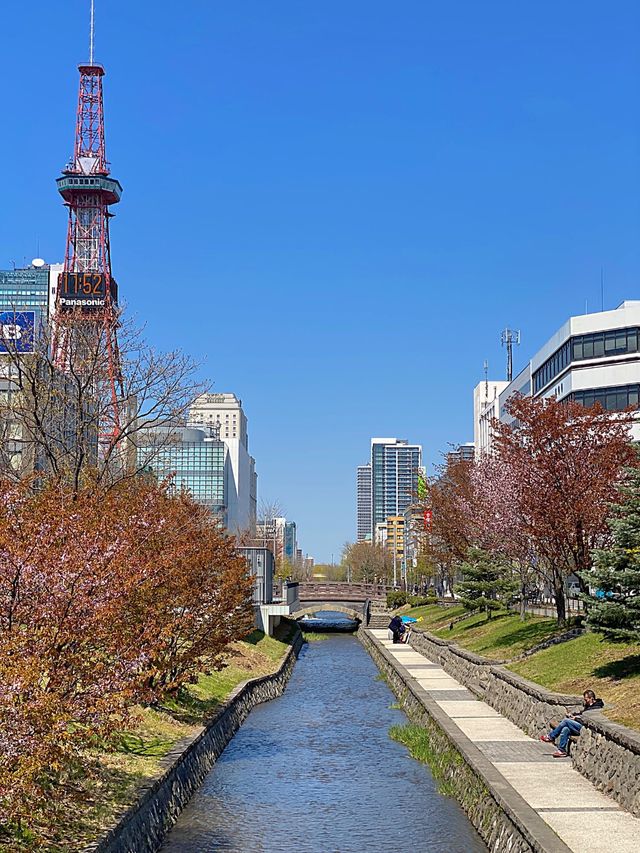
486, 408
223, 414
592, 358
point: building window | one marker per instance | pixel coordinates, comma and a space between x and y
580, 347
611, 399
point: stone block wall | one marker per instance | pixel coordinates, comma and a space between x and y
503, 820
607, 754
142, 827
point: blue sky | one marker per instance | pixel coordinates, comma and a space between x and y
337, 207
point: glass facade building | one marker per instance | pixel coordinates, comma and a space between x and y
192, 459
25, 290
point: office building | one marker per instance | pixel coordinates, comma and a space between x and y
223, 415
193, 458
486, 410
30, 289
224, 412
280, 535
363, 502
592, 358
395, 466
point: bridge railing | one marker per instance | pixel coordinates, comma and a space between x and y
312, 590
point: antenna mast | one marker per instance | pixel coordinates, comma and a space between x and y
508, 338
486, 380
91, 31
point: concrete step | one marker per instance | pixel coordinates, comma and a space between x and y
379, 620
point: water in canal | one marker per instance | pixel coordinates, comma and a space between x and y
315, 771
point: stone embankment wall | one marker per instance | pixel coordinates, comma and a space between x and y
506, 823
142, 827
606, 753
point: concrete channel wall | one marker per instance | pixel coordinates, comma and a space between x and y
606, 753
506, 823
143, 826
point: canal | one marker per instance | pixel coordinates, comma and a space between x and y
315, 771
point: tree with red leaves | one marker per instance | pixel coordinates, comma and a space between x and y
108, 597
564, 464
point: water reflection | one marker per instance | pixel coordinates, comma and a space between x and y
316, 772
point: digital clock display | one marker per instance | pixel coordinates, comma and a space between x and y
84, 290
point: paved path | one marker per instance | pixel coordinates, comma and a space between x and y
584, 818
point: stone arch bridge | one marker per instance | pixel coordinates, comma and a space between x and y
354, 599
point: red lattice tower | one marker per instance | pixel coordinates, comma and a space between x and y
87, 292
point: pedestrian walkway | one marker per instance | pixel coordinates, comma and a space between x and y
584, 818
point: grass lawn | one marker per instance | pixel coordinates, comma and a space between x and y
611, 669
109, 779
503, 637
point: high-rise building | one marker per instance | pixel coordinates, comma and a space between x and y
363, 502
395, 466
223, 414
280, 535
194, 458
462, 453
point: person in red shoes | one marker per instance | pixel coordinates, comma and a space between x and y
571, 725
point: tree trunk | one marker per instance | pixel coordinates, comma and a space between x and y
558, 592
523, 601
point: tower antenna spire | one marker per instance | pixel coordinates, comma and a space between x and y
91, 33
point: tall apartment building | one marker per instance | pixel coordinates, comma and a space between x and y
462, 453
592, 358
223, 414
395, 466
363, 502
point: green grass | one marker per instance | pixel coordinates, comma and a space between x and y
503, 637
590, 662
418, 742
314, 636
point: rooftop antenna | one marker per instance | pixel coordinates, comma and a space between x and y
486, 380
508, 338
602, 287
91, 31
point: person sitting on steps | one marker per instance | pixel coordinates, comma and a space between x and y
571, 725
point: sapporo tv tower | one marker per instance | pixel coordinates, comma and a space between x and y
86, 306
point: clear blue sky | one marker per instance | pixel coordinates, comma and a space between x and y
337, 206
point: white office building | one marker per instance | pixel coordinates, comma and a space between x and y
592, 358
223, 414
486, 407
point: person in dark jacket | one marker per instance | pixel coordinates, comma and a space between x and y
572, 724
396, 627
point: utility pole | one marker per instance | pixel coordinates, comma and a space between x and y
508, 338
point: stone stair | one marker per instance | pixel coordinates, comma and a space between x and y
379, 619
